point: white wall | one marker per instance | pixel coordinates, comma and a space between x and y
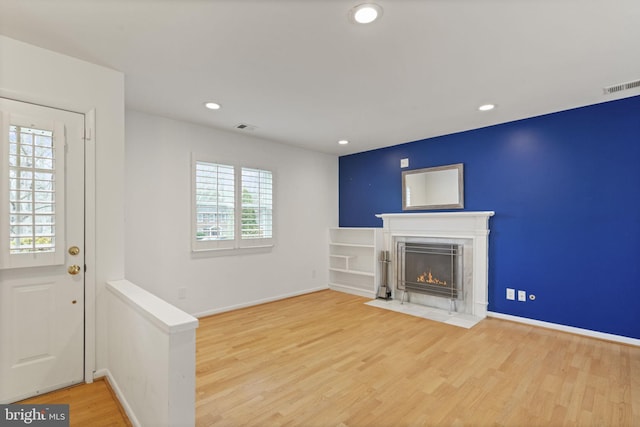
158, 209
32, 74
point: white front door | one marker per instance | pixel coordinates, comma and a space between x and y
41, 249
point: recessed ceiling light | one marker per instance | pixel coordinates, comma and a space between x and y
486, 107
343, 142
365, 13
212, 105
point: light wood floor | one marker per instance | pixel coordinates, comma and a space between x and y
326, 359
92, 404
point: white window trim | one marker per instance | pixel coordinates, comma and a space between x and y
237, 246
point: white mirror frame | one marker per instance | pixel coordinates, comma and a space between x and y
440, 187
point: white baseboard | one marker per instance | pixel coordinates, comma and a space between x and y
578, 331
256, 302
121, 398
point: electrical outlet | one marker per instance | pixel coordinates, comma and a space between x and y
182, 293
511, 294
522, 295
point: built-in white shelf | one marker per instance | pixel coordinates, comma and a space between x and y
353, 260
362, 273
352, 245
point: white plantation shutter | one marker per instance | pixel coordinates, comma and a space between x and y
33, 189
232, 207
214, 205
257, 207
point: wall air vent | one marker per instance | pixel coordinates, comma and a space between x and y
245, 126
621, 86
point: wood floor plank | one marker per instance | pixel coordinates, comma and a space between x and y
326, 359
89, 404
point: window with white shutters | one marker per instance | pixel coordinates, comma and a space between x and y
232, 207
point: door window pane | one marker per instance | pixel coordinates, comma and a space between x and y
31, 190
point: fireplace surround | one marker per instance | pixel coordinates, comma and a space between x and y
467, 231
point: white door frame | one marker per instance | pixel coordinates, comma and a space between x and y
90, 246
89, 235
89, 352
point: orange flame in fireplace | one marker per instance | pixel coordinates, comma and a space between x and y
428, 278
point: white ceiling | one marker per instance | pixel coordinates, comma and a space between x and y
304, 75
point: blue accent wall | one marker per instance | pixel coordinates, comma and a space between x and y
566, 191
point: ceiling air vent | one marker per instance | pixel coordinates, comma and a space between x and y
245, 126
621, 86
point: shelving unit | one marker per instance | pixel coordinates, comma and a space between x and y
353, 260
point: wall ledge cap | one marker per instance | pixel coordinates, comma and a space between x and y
162, 314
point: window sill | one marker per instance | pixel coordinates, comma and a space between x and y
210, 253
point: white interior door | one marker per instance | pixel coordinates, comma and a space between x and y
41, 249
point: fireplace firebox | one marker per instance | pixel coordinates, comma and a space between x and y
430, 268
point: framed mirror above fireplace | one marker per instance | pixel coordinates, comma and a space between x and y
440, 187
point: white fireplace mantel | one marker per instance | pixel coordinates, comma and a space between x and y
468, 225
449, 224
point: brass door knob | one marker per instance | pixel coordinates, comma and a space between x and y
74, 250
74, 269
